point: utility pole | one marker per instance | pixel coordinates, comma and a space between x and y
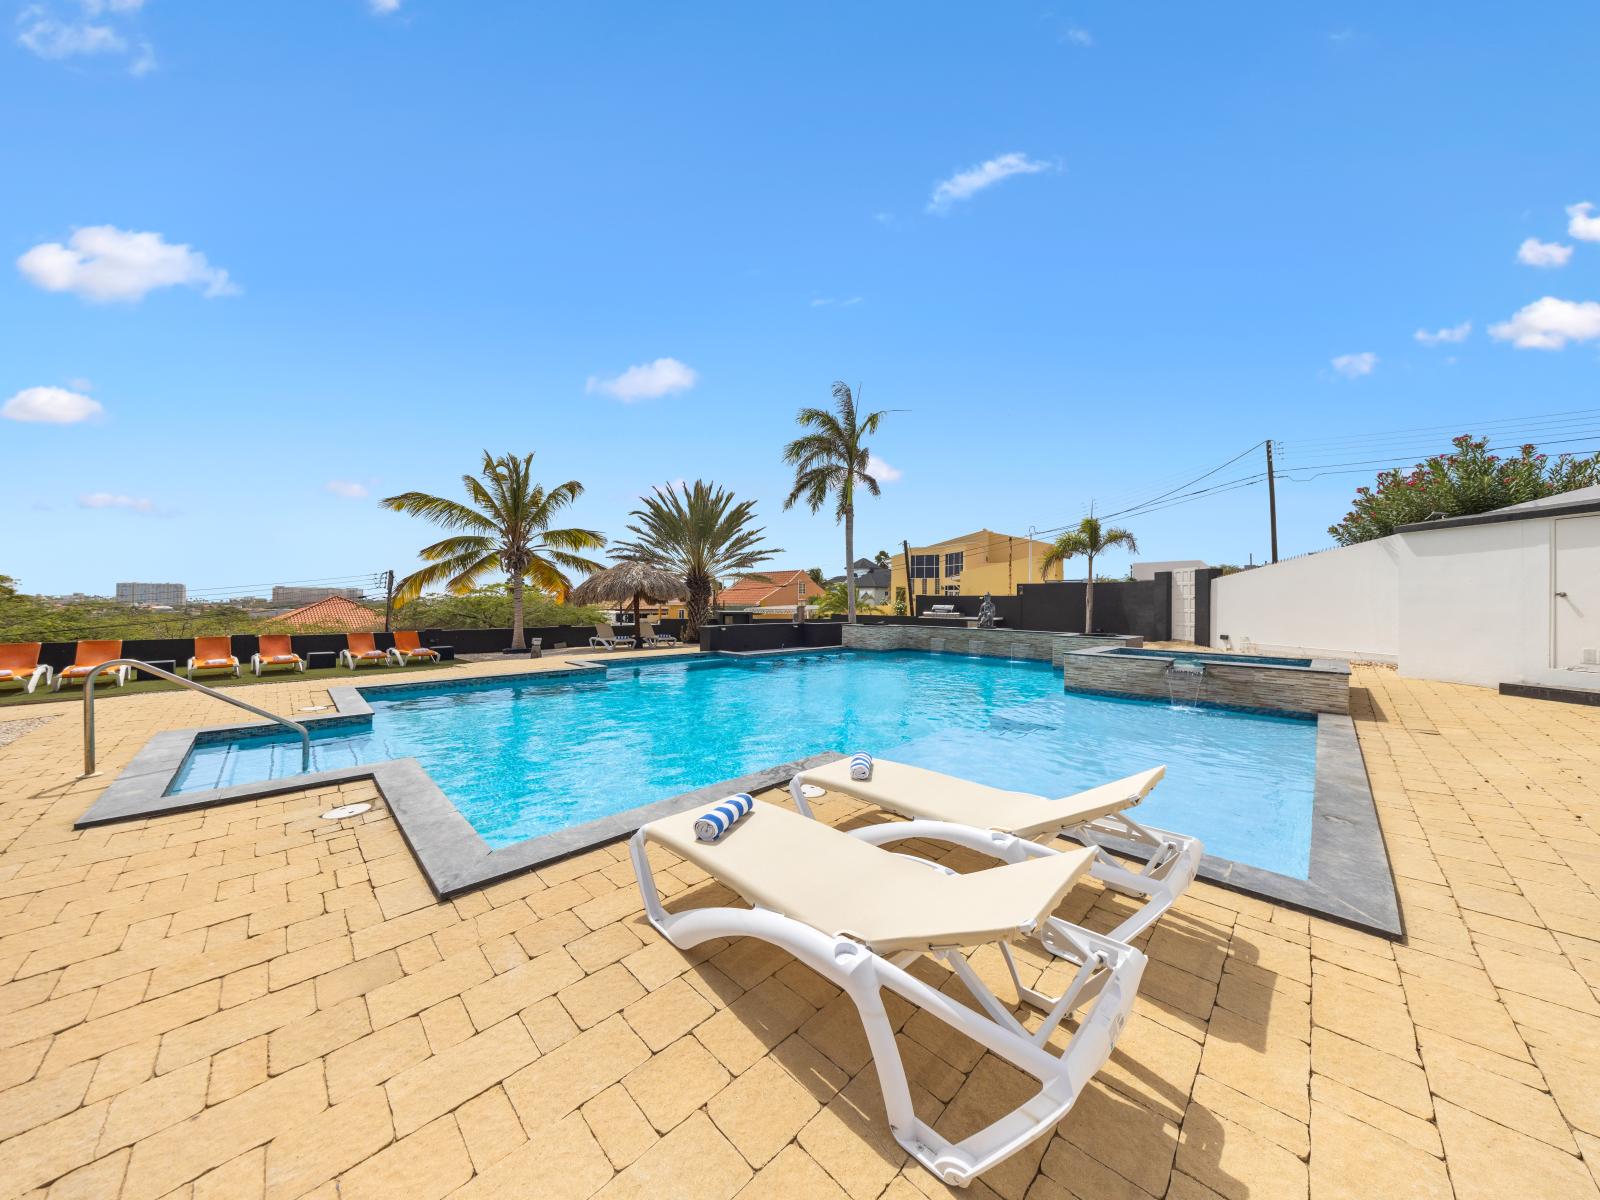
388, 599
911, 595
1272, 502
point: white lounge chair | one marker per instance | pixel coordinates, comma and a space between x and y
606, 637
650, 636
859, 915
1017, 826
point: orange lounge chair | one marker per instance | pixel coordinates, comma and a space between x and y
360, 648
19, 663
408, 645
90, 660
275, 650
213, 654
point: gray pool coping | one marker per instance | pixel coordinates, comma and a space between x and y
1225, 658
1350, 879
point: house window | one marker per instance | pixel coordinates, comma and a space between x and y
924, 566
802, 587
952, 589
954, 562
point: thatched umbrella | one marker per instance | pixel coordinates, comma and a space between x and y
628, 583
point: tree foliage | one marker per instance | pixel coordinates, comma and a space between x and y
503, 528
490, 608
1089, 539
835, 601
700, 532
1471, 480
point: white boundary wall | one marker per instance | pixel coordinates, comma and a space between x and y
1342, 603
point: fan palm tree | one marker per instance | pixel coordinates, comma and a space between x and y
1087, 540
505, 526
831, 460
699, 532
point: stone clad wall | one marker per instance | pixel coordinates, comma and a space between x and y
1039, 645
1324, 687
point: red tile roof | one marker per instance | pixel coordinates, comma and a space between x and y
750, 593
334, 612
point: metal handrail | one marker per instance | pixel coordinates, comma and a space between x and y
88, 710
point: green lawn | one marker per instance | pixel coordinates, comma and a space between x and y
104, 688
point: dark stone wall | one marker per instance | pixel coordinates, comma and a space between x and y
771, 635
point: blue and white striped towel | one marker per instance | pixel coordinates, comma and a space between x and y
861, 765
719, 820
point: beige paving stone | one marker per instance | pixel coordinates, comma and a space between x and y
1350, 1159
850, 1139
1382, 1076
544, 975
1529, 1110
154, 1105
1574, 1086
357, 979
43, 1100
97, 1180
425, 1165
242, 1178
1357, 1014
670, 1085
622, 1130
490, 1127
51, 1150
150, 1019
409, 996
549, 1024
567, 1077
666, 1014
1488, 1161
1237, 1162
1270, 1066
237, 1069
317, 1034
596, 997
314, 1151
756, 1022
437, 1085
791, 1175
562, 1161
205, 1037
446, 1024
1239, 1108
1370, 1111
693, 1151
762, 1111
181, 1153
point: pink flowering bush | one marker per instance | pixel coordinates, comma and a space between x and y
1457, 485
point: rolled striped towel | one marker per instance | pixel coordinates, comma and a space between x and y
861, 765
719, 820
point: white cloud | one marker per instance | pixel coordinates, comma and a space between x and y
647, 381
882, 471
1534, 253
384, 7
965, 184
139, 504
1549, 324
847, 302
1584, 225
347, 488
1453, 333
1072, 35
1354, 366
103, 263
62, 29
50, 406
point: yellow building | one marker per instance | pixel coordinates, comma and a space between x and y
972, 564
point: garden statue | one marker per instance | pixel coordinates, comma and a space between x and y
986, 612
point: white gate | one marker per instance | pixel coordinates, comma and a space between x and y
1577, 592
1183, 605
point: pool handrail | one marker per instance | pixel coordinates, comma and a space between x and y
137, 664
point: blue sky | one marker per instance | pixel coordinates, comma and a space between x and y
1089, 251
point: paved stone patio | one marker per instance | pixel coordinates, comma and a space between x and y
253, 1002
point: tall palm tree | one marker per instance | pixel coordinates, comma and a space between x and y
831, 460
505, 526
700, 533
1087, 540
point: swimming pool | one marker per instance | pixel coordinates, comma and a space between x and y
528, 755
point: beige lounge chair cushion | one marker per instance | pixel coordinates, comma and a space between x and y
919, 793
777, 859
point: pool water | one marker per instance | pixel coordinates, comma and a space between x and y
526, 756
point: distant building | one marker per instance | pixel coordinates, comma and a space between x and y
174, 595
333, 613
1143, 571
310, 595
872, 581
775, 589
972, 564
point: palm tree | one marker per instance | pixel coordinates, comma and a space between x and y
505, 526
1088, 539
699, 533
832, 459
